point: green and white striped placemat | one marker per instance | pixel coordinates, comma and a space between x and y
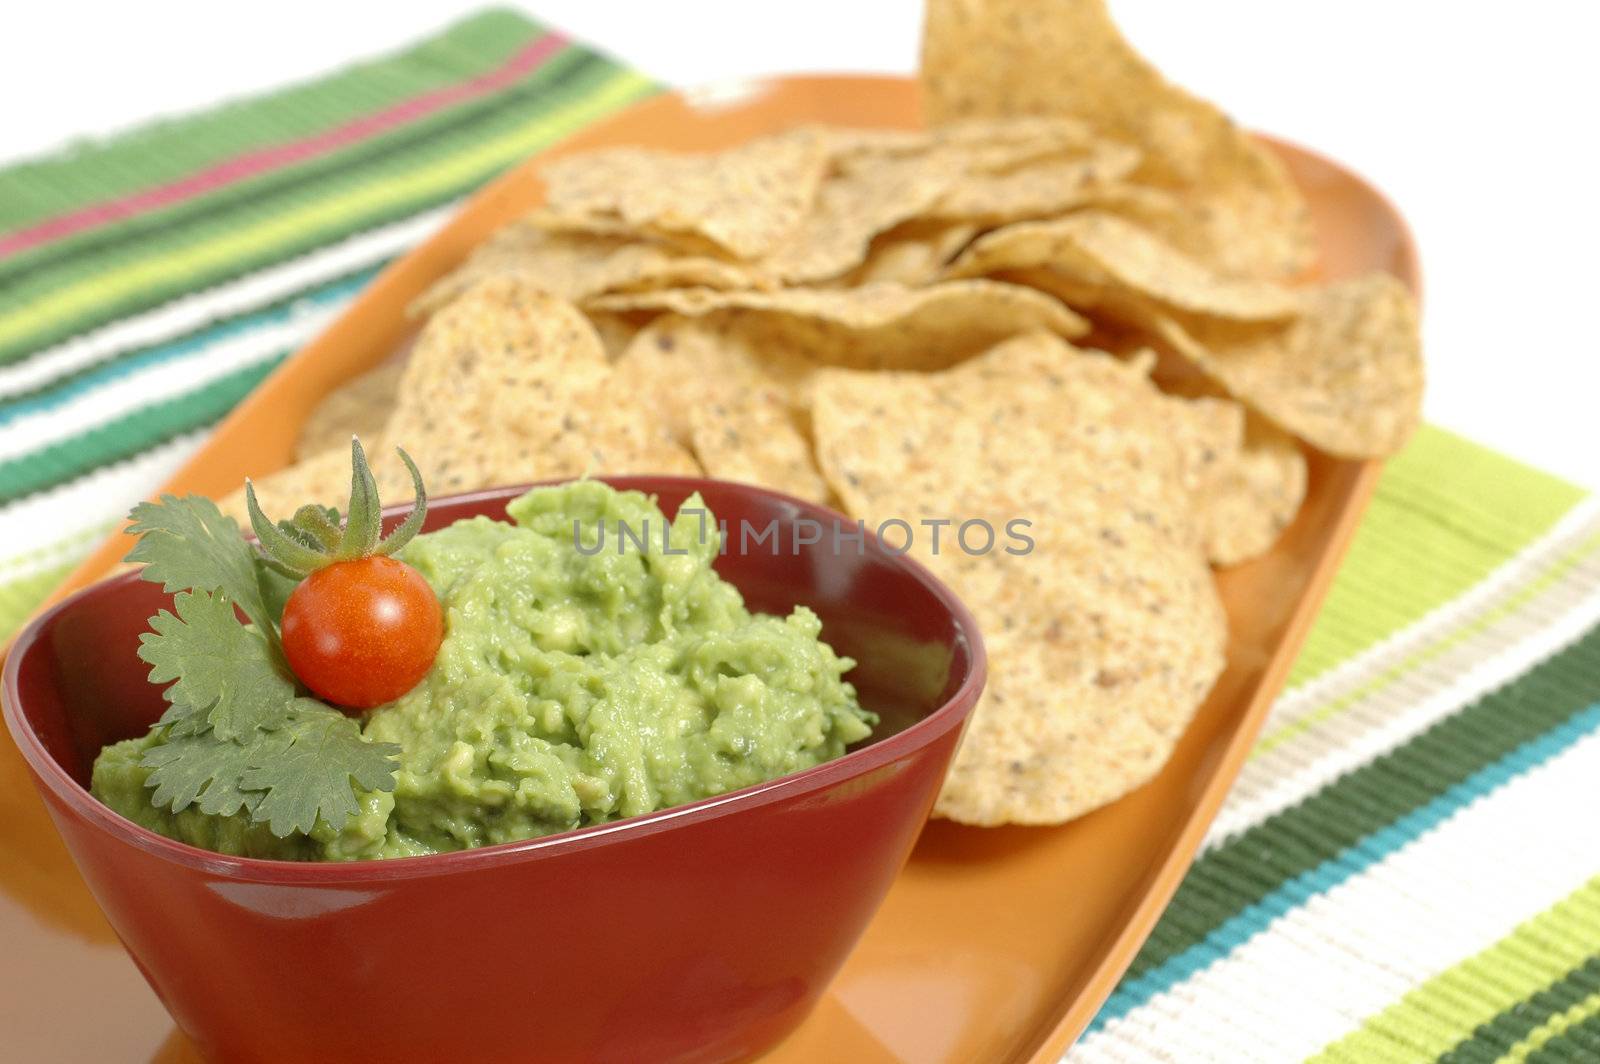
149, 282
1407, 869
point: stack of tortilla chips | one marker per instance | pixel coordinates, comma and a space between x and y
884, 321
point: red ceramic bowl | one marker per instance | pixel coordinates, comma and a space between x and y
700, 933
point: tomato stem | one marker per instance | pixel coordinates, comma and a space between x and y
314, 537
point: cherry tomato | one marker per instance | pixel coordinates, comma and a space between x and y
363, 632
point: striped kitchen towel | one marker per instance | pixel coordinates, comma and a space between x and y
148, 283
1406, 870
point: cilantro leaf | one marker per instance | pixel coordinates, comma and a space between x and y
188, 544
306, 768
288, 777
183, 719
219, 666
200, 769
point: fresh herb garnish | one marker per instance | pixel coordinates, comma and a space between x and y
240, 734
189, 545
286, 777
225, 678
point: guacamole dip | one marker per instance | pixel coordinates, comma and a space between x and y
579, 682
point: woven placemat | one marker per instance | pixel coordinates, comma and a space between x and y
147, 283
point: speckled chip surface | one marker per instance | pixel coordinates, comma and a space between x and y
1066, 57
1106, 633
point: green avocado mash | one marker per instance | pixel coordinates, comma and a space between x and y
574, 686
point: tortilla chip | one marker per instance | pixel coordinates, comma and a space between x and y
1247, 478
443, 417
756, 437
1041, 189
684, 363
986, 146
616, 331
575, 266
870, 182
1346, 376
882, 326
1208, 434
745, 200
1088, 297
913, 253
359, 407
1009, 168
508, 384
1248, 500
1170, 215
605, 227
856, 205
571, 422
881, 178
1103, 639
1066, 57
1102, 250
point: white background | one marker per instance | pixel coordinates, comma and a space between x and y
1479, 119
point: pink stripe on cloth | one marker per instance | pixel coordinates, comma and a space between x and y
264, 160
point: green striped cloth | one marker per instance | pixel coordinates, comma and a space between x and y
148, 283
1407, 868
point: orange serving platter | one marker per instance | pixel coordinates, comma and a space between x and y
995, 944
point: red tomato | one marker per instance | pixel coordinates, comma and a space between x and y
362, 633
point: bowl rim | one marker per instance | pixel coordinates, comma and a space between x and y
950, 713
